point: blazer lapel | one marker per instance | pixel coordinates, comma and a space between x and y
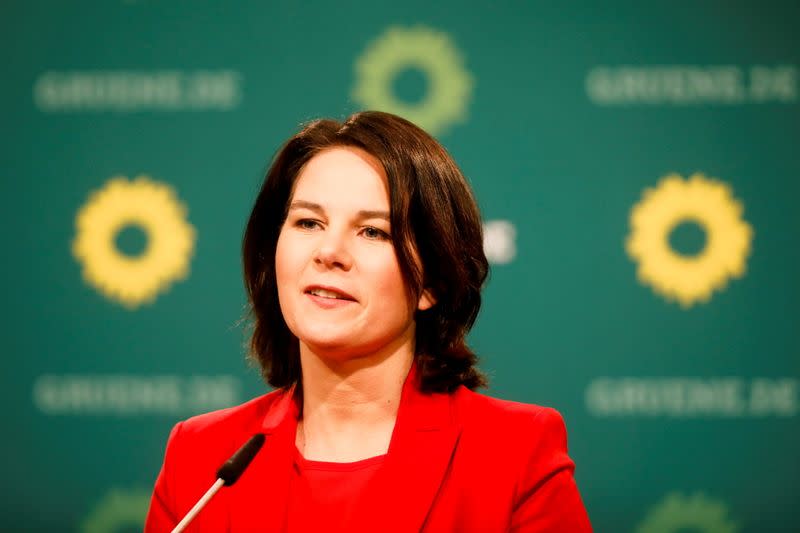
421, 449
422, 446
259, 500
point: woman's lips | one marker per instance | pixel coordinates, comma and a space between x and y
327, 291
328, 297
328, 303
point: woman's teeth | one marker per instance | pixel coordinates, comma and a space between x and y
324, 294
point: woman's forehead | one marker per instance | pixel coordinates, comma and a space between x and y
345, 176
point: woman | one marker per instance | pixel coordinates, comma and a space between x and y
363, 261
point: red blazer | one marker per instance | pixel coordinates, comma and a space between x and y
456, 462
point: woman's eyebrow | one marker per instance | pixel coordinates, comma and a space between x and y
374, 214
363, 214
302, 204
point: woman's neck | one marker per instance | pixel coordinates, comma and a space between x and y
350, 407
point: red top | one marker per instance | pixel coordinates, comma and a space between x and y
323, 495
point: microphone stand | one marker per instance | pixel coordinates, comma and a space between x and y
227, 475
199, 505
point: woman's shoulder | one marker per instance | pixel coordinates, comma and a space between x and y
496, 415
482, 404
245, 417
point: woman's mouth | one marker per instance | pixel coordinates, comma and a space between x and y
323, 293
328, 294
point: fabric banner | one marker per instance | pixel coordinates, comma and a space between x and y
636, 169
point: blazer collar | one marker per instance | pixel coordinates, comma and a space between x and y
261, 497
421, 448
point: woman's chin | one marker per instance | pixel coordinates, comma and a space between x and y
347, 344
337, 350
329, 345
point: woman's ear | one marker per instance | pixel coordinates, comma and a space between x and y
426, 300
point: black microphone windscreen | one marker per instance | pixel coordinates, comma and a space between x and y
233, 467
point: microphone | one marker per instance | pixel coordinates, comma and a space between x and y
227, 475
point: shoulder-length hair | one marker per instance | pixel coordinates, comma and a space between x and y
433, 216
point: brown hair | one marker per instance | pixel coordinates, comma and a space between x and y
433, 217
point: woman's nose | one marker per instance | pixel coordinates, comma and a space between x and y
332, 251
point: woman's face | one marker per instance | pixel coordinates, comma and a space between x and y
340, 287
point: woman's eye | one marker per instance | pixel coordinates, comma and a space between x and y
374, 233
306, 223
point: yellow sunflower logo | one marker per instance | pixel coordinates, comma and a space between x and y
680, 513
432, 52
706, 202
152, 206
119, 509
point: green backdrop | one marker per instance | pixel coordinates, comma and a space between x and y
636, 165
